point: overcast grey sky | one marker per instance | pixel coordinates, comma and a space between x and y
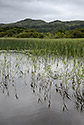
48, 10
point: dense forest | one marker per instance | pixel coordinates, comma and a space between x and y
19, 32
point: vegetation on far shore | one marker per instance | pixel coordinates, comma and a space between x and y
19, 32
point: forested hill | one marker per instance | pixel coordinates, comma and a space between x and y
42, 26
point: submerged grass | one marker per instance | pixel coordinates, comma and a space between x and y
66, 75
70, 47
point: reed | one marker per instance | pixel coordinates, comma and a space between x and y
70, 47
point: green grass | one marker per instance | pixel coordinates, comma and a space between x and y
70, 47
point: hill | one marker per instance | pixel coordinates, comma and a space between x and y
42, 26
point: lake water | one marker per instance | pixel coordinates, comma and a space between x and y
43, 90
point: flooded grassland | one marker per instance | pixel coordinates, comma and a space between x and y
42, 87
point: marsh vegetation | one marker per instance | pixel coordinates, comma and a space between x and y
41, 79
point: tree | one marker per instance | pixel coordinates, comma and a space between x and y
76, 34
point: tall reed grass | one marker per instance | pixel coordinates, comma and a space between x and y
70, 47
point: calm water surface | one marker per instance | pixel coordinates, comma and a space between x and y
41, 90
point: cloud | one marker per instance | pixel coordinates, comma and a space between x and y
13, 10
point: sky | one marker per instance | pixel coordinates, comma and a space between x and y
47, 10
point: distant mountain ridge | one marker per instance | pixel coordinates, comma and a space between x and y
43, 26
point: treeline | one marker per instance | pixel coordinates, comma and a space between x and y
19, 32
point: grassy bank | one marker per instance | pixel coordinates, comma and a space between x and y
69, 47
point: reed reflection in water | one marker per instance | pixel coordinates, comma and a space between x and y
41, 86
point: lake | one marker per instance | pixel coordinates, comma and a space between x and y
41, 90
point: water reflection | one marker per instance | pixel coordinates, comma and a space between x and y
48, 75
